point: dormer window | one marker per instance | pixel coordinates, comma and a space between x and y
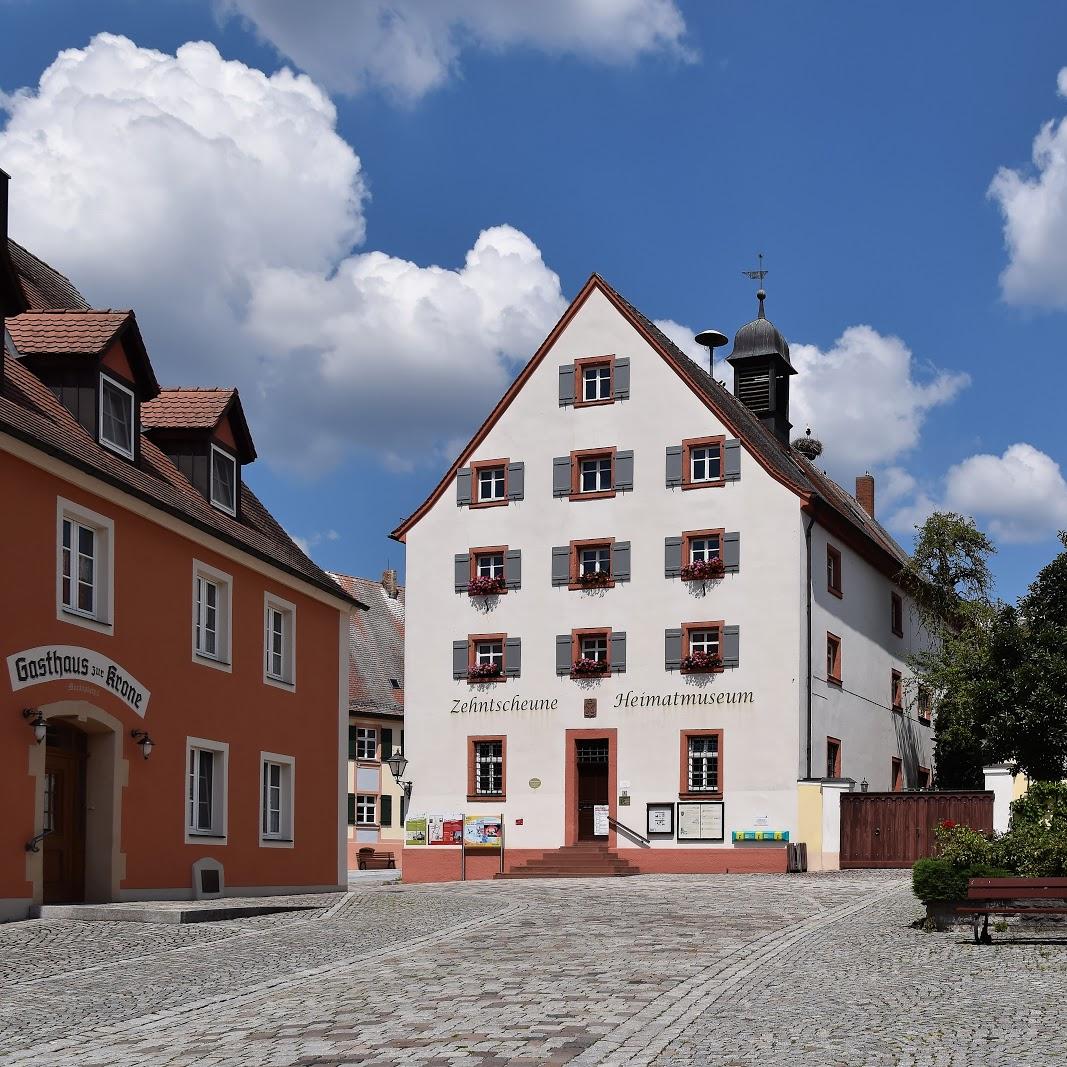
116, 416
223, 481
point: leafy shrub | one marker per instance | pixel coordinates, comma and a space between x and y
936, 881
1033, 851
961, 846
1043, 807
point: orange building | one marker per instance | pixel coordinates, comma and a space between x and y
174, 695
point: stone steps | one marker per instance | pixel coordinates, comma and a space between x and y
586, 860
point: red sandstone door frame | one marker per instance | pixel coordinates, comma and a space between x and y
570, 779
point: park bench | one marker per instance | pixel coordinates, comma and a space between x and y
369, 860
1011, 896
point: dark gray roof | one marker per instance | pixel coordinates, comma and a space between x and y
760, 337
43, 287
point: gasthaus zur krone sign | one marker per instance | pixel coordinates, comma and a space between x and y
68, 663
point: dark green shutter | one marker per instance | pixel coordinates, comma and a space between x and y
385, 803
387, 743
351, 809
351, 742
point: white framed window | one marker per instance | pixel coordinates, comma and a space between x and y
116, 417
704, 641
489, 564
223, 480
704, 764
366, 743
277, 776
84, 566
596, 382
212, 597
489, 653
366, 809
594, 646
206, 772
489, 767
705, 463
279, 651
491, 483
705, 548
594, 559
595, 474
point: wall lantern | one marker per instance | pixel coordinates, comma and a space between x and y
40, 727
864, 785
399, 765
146, 743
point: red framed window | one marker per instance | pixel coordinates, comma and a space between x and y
703, 462
591, 652
833, 659
896, 688
701, 764
591, 564
593, 474
896, 614
897, 776
487, 571
833, 757
924, 778
924, 704
594, 381
487, 767
833, 570
489, 483
485, 657
702, 647
701, 554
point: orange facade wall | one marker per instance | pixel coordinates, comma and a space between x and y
152, 640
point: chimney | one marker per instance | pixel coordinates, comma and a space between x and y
389, 583
865, 492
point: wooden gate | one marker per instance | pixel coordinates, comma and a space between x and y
896, 829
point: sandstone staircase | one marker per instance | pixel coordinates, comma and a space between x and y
587, 859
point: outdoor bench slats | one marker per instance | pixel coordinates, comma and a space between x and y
377, 861
998, 896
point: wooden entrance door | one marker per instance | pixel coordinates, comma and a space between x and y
64, 815
592, 760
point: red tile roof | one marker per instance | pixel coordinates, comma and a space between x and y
42, 286
65, 332
186, 409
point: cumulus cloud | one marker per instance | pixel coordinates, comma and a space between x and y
1034, 205
410, 47
223, 206
865, 398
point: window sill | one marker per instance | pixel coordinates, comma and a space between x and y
207, 660
707, 794
276, 842
897, 633
487, 681
592, 677
835, 592
713, 670
117, 449
594, 403
477, 798
609, 584
279, 683
360, 762
489, 504
90, 622
366, 825
600, 494
203, 835
717, 484
835, 682
499, 592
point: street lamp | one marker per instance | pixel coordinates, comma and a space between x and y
398, 764
864, 785
40, 727
146, 743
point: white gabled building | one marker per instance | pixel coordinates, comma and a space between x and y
688, 720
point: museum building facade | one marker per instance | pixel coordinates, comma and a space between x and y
638, 618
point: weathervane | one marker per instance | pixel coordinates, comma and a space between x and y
758, 275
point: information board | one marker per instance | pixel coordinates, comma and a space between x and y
660, 819
600, 820
444, 829
700, 820
482, 831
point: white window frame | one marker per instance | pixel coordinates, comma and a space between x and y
494, 761
102, 618
114, 446
593, 375
594, 646
364, 797
703, 454
285, 837
708, 641
228, 509
705, 553
221, 660
489, 564
701, 755
287, 680
599, 558
598, 469
218, 835
498, 479
370, 733
489, 652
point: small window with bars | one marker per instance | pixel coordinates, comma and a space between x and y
489, 768
703, 770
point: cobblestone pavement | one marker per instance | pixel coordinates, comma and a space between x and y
725, 971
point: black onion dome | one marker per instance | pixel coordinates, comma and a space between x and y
760, 337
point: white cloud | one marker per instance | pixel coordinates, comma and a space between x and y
682, 336
222, 205
306, 544
410, 47
863, 398
1034, 206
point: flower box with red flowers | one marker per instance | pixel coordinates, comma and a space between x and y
484, 672
703, 570
594, 579
701, 663
585, 667
485, 586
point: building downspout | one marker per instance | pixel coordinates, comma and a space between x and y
807, 545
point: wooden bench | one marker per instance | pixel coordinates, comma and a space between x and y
1011, 896
369, 860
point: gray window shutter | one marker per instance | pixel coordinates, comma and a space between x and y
731, 551
351, 742
387, 743
624, 470
672, 649
566, 385
561, 565
561, 476
618, 652
622, 379
672, 557
459, 659
732, 464
463, 571
512, 656
463, 487
351, 809
563, 653
385, 815
731, 646
620, 561
513, 568
516, 480
674, 465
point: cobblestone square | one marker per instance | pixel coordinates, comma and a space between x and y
728, 971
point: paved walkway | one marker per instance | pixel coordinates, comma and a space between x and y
728, 971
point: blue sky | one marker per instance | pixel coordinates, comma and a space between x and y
661, 145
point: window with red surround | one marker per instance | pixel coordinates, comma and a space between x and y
833, 659
896, 614
489, 483
702, 555
591, 564
701, 764
703, 462
485, 657
833, 757
924, 777
593, 474
591, 652
896, 686
833, 570
925, 709
702, 647
487, 571
594, 381
897, 776
487, 761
